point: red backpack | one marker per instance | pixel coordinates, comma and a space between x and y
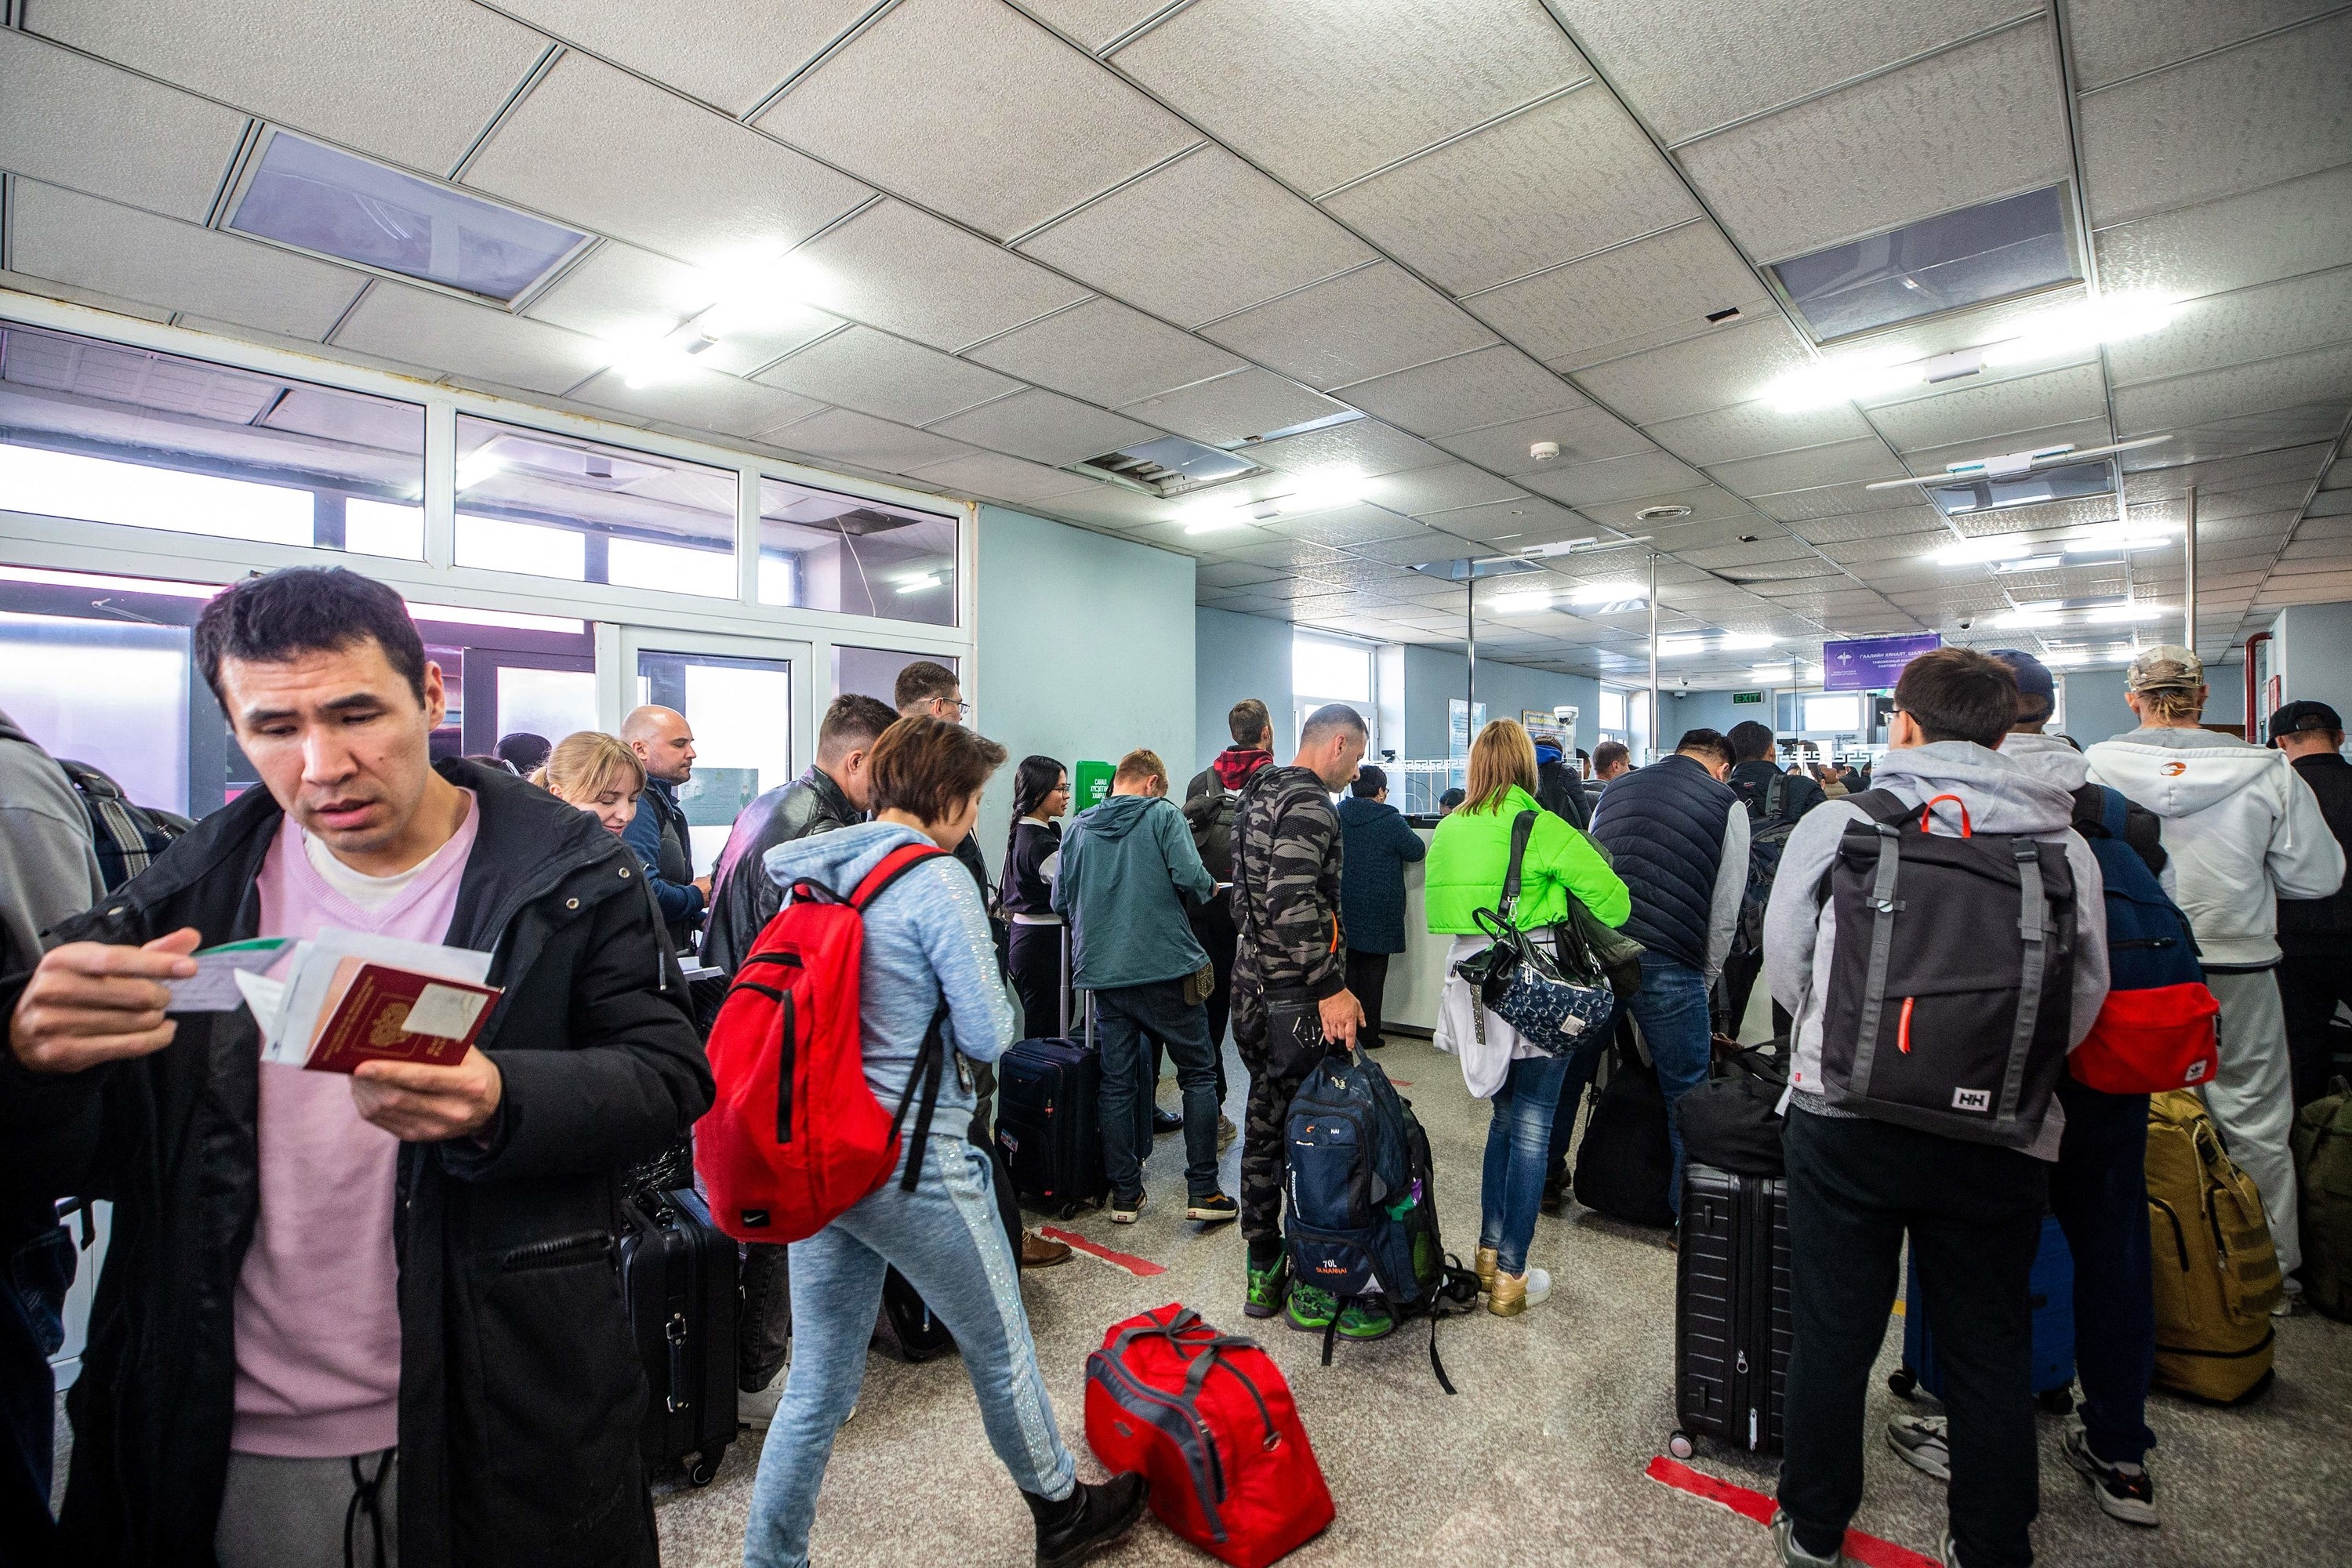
795, 1136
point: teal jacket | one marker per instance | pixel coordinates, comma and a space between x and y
1473, 849
1123, 864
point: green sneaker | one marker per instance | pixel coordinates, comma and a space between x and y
1311, 1308
1359, 1321
1267, 1289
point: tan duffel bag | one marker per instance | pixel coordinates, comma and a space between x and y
2216, 1274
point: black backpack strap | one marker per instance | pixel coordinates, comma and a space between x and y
2030, 907
930, 1061
1881, 805
1882, 809
1523, 827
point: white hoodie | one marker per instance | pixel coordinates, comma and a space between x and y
2242, 831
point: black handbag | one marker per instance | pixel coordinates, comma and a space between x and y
1554, 993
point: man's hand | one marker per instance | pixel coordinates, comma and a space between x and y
1341, 1013
420, 1104
89, 1003
702, 885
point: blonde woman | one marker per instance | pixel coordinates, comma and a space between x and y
1467, 860
597, 774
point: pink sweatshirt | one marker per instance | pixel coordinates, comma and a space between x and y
318, 1315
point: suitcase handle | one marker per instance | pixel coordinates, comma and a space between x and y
675, 1331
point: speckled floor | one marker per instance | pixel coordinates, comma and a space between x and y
1539, 1459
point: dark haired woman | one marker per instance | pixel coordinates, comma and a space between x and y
1041, 795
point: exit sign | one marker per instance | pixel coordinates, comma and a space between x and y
1748, 697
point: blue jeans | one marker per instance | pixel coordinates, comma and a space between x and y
1129, 1019
35, 1274
1671, 1008
1519, 1150
944, 1237
2099, 1190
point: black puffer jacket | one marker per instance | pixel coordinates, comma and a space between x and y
520, 1392
745, 898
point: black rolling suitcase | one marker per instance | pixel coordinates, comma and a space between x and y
1048, 1097
678, 1271
1731, 1311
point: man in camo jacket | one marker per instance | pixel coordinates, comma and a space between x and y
1290, 956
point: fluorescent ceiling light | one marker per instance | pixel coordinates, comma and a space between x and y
752, 292
1978, 552
1324, 490
2027, 615
2121, 538
457, 615
2118, 614
1773, 671
1520, 603
1845, 379
920, 583
1746, 641
330, 201
478, 466
1680, 648
2083, 326
1596, 593
2031, 564
118, 584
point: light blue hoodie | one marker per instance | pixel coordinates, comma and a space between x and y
925, 936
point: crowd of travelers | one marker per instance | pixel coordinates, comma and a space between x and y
378, 1319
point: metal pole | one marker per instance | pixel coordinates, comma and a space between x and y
1470, 637
2188, 576
1654, 739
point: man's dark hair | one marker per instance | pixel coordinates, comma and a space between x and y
524, 751
1330, 717
1710, 742
1958, 694
282, 615
924, 681
855, 720
1750, 741
928, 767
1370, 781
1608, 754
1248, 722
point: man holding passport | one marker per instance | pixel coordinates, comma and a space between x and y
367, 1316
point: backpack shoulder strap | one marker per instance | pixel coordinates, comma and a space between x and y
2114, 812
1881, 805
893, 865
1523, 827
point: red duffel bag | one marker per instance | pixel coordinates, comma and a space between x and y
1208, 1420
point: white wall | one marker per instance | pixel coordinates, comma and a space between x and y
2315, 654
1086, 650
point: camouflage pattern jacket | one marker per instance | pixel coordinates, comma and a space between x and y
1287, 885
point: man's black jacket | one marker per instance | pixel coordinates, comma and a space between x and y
746, 898
521, 1390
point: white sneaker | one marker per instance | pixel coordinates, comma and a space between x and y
1538, 1287
1784, 1536
2290, 1297
1925, 1443
757, 1409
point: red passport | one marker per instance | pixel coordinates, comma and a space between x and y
377, 1012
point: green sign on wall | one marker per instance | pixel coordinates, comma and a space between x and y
1748, 697
1090, 784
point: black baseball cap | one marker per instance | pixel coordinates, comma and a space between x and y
2302, 716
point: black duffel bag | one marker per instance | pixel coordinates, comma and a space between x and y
1624, 1165
1732, 1122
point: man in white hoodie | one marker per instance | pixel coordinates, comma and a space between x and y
2243, 832
1856, 1186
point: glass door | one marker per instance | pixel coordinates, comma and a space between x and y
748, 703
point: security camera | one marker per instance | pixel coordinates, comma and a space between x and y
1966, 624
1544, 451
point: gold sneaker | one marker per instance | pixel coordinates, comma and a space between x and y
1487, 1260
1515, 1293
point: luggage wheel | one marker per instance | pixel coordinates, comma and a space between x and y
701, 1469
2057, 1400
1900, 1382
1068, 1211
1679, 1444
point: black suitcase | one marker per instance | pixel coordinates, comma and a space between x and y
1048, 1097
1624, 1163
1731, 1311
678, 1271
906, 1329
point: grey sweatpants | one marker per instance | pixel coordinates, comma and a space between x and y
291, 1513
2251, 1099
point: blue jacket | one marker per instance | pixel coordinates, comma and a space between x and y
1124, 863
1375, 843
926, 937
673, 884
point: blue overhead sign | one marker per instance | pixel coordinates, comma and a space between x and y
1872, 664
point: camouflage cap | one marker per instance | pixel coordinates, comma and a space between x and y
2165, 665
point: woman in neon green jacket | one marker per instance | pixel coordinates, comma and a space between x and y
1467, 860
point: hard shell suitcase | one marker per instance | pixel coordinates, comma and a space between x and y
906, 1329
1048, 1095
677, 1273
2051, 1287
1732, 1329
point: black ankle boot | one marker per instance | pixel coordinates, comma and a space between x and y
1088, 1520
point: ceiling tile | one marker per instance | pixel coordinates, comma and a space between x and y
1894, 519
876, 374
1049, 129
1093, 24
1320, 91
848, 437
2240, 435
1001, 477
1752, 429
2300, 225
1351, 526
1363, 446
598, 147
1840, 462
1561, 180
1583, 435
1105, 353
1232, 409
2323, 376
1967, 412
1484, 386
318, 69
1709, 505
1729, 366
1661, 287
1798, 506
2152, 480
1521, 523
2233, 328
2248, 116
1361, 324
1614, 479
620, 293
1110, 506
702, 400
1045, 428
1984, 119
910, 273
1233, 574
2116, 39
179, 267
2082, 432
732, 54
72, 121
415, 326
1201, 239
1688, 65
1427, 491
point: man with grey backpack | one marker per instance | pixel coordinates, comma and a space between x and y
1940, 941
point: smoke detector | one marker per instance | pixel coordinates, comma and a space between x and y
1544, 451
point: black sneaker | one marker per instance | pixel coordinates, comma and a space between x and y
1163, 1122
1087, 1521
2123, 1490
1214, 1209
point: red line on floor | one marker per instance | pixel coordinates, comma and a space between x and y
1141, 1267
1867, 1550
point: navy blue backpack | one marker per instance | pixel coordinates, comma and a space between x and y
2157, 1030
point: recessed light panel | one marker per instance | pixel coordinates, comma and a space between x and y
2069, 481
1965, 257
330, 203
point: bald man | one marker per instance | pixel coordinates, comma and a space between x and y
664, 742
